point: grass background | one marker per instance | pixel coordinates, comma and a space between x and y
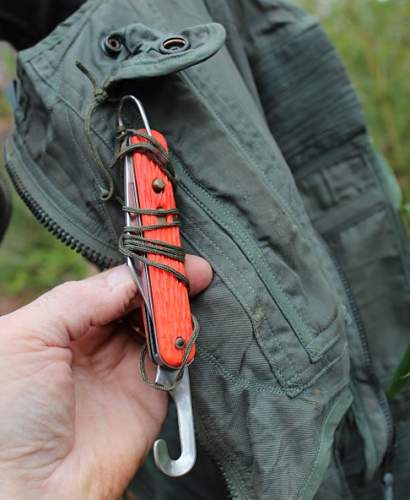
31, 260
374, 40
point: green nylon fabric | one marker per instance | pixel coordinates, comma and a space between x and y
281, 190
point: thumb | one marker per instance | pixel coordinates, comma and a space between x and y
68, 311
199, 273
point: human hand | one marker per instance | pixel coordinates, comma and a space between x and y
76, 420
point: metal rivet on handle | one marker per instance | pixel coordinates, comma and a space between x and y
179, 343
158, 185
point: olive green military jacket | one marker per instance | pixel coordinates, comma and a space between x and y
281, 190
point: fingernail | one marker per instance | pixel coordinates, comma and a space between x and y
119, 275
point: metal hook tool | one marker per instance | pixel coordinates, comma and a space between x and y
166, 376
182, 397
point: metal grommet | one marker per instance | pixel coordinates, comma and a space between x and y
173, 44
113, 45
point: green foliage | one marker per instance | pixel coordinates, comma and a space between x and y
32, 260
6, 69
373, 39
401, 376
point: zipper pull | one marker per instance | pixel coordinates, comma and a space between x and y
388, 486
387, 467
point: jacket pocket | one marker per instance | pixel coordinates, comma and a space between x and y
228, 175
249, 328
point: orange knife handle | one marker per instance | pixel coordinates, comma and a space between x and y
170, 301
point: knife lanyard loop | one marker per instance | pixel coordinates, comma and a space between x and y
180, 372
151, 147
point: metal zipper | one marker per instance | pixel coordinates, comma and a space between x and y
231, 489
229, 483
56, 230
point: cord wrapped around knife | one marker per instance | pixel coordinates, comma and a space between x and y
152, 243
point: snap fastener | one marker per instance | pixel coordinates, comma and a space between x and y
173, 44
113, 45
